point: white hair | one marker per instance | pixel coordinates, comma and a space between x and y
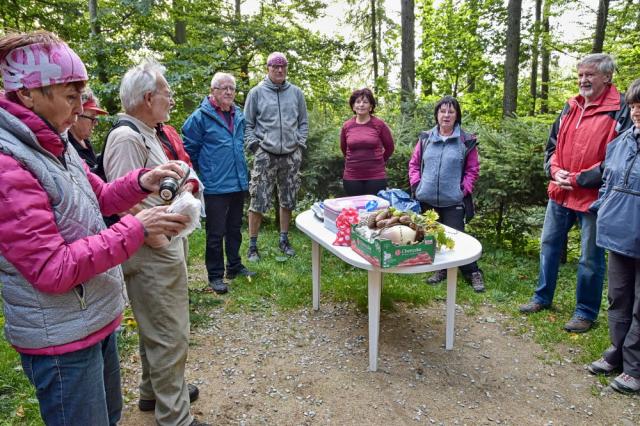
219, 76
604, 63
138, 81
87, 95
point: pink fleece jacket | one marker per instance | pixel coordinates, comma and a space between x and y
29, 237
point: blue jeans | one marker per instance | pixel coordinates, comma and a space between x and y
558, 221
78, 388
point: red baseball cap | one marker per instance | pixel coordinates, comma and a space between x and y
93, 106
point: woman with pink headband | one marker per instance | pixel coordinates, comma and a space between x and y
62, 285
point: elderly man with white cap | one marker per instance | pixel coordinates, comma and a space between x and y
276, 132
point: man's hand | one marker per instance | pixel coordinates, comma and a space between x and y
157, 221
562, 180
150, 181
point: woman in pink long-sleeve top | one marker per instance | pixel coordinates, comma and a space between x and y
62, 287
442, 172
367, 144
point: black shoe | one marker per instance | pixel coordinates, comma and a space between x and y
218, 285
477, 282
242, 272
197, 423
437, 277
578, 325
252, 254
532, 307
285, 247
150, 404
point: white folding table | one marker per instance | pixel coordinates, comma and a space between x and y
467, 249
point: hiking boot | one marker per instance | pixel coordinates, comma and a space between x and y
242, 272
532, 307
437, 277
150, 404
578, 325
218, 285
601, 366
285, 247
625, 383
252, 254
477, 282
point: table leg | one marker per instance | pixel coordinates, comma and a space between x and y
375, 292
316, 258
452, 278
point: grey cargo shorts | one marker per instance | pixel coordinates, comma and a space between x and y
269, 170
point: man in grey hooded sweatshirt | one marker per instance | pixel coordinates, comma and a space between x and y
276, 132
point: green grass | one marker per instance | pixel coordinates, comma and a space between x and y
284, 285
18, 403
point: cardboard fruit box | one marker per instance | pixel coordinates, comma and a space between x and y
385, 254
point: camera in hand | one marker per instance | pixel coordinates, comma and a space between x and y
169, 187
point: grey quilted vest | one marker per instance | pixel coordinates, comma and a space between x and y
34, 319
441, 174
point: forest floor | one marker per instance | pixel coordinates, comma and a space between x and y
303, 367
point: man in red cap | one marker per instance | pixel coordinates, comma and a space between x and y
81, 130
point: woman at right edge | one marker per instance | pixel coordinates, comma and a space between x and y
618, 231
443, 168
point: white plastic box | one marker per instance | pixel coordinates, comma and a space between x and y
333, 207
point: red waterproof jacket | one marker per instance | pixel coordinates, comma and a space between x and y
578, 143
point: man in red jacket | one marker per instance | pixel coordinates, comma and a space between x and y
573, 160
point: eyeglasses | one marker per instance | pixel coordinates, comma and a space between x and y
167, 94
231, 89
94, 120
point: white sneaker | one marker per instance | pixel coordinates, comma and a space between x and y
601, 366
626, 384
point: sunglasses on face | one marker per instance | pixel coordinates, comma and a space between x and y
94, 120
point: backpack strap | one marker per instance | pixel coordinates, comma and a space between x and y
166, 142
424, 140
470, 141
100, 158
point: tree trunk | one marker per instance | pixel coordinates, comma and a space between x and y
546, 59
535, 52
473, 31
601, 26
179, 25
384, 74
244, 65
109, 102
510, 97
374, 44
408, 69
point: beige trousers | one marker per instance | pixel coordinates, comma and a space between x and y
157, 286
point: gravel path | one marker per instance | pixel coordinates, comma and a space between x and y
305, 367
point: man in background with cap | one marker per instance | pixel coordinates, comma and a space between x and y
276, 132
81, 130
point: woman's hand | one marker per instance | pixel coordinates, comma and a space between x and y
188, 187
150, 181
157, 221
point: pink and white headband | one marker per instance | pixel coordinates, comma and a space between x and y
41, 64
